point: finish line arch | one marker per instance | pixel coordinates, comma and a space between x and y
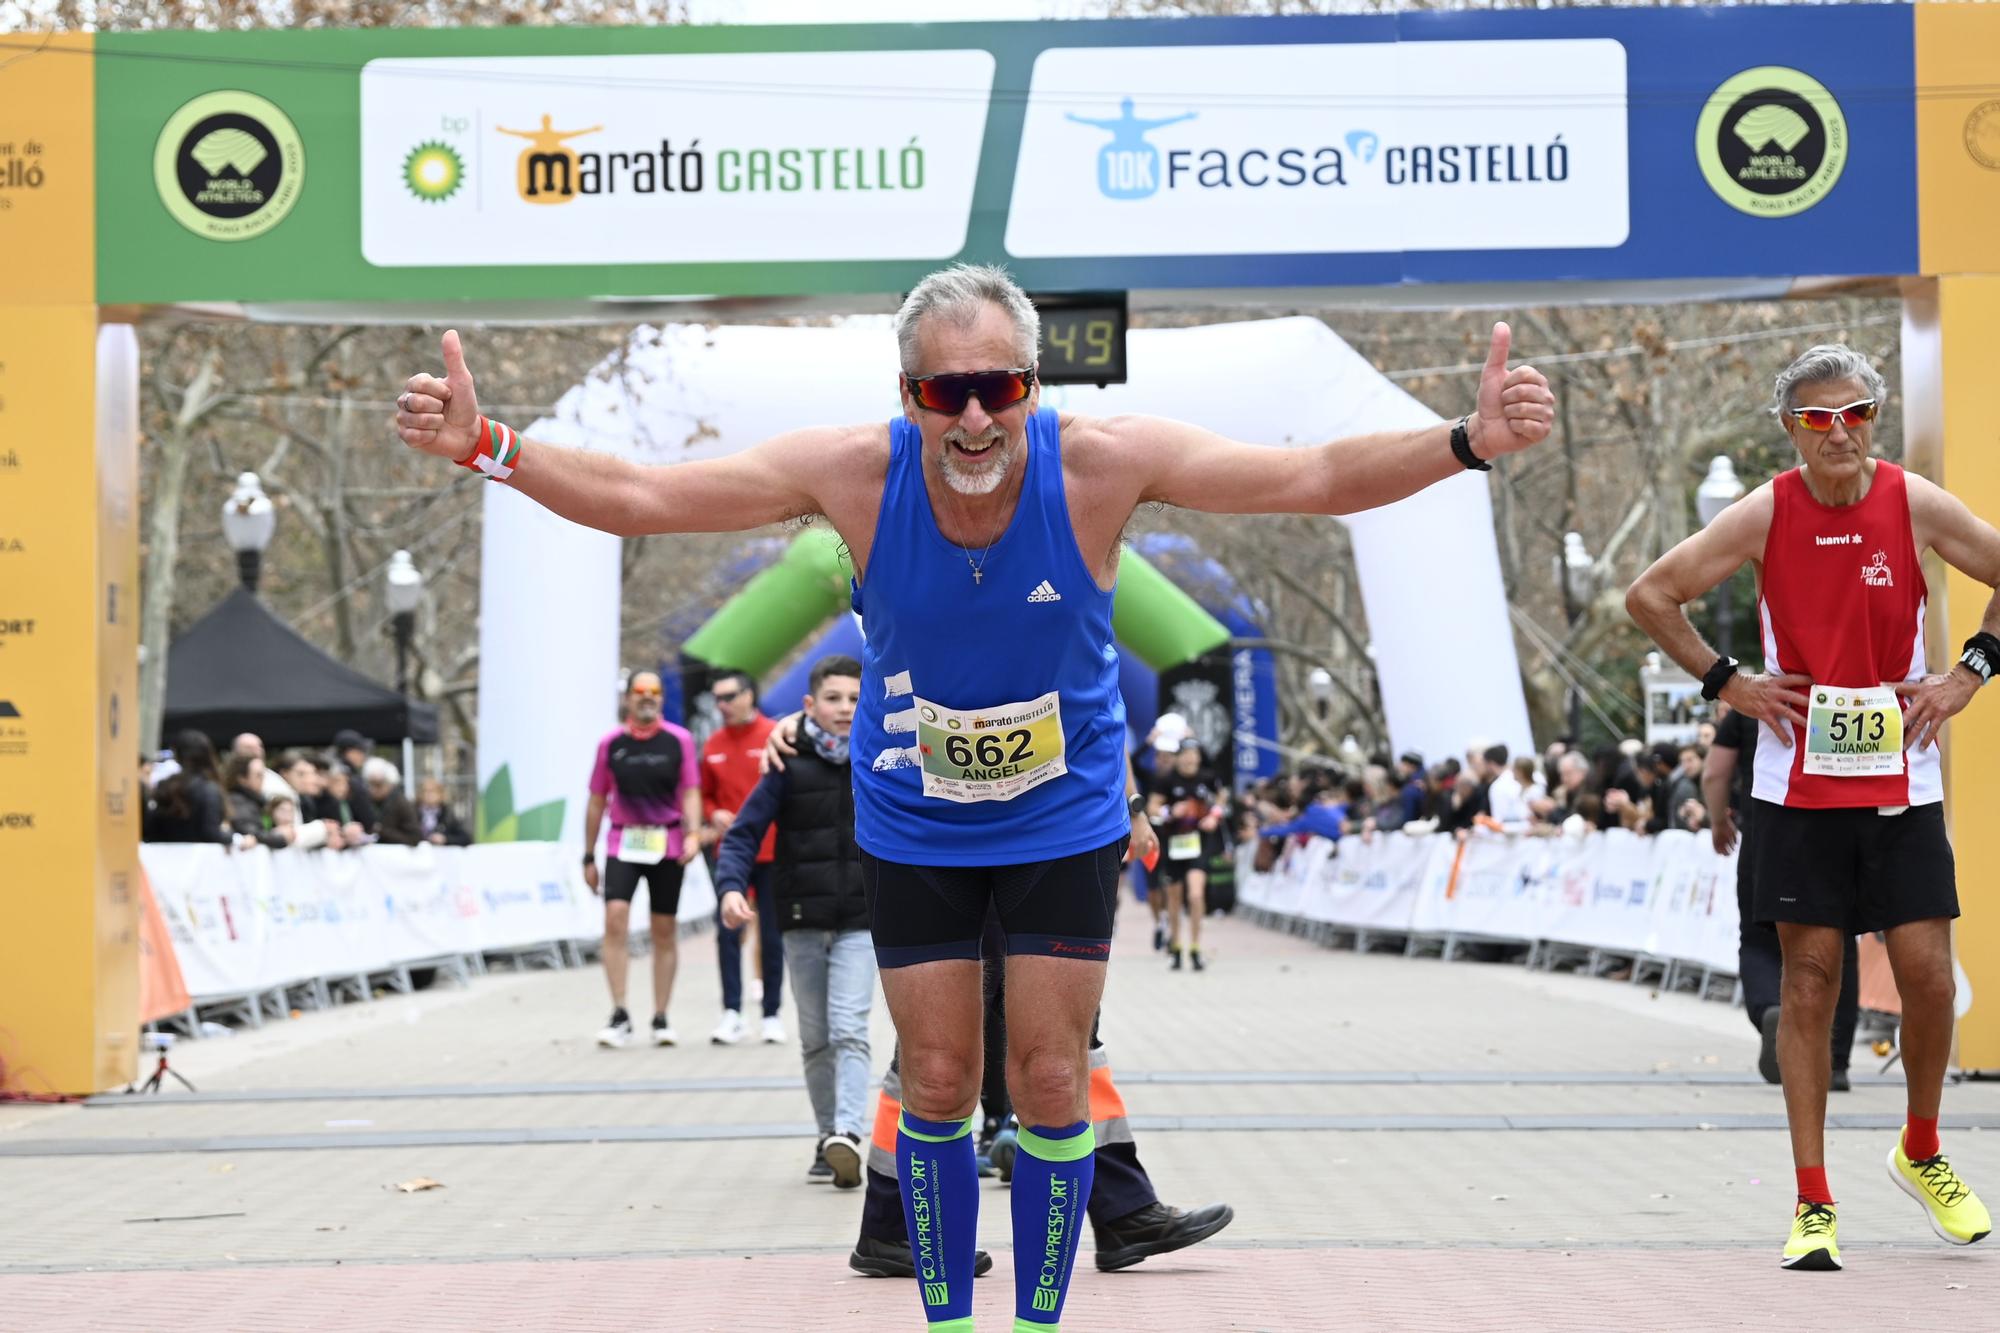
108, 212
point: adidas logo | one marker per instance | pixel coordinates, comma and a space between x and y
1044, 593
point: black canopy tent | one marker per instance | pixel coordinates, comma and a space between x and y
239, 668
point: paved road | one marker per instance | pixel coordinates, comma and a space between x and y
1409, 1144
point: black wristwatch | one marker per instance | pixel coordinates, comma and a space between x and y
1716, 677
1461, 448
590, 858
1135, 804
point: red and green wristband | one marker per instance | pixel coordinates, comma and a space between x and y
496, 453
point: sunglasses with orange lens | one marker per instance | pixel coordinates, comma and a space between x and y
1821, 419
995, 389
646, 692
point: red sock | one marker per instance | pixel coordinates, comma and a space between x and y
1920, 1139
1812, 1185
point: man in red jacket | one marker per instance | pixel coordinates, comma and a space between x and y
729, 773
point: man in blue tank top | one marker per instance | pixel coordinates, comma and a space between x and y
988, 750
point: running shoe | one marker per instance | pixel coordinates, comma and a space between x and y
1954, 1210
663, 1032
1194, 957
729, 1031
1175, 966
618, 1031
1006, 1145
843, 1154
1812, 1248
1159, 936
774, 1031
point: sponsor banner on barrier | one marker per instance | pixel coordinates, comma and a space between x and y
1669, 896
244, 922
765, 156
1298, 148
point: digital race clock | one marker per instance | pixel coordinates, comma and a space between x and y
1083, 337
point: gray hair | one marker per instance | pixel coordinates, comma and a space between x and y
959, 294
1823, 365
381, 770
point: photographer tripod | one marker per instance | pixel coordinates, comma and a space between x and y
161, 1042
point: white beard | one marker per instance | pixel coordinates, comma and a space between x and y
993, 468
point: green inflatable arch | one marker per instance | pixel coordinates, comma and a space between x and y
1154, 620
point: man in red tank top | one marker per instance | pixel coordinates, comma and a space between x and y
1848, 793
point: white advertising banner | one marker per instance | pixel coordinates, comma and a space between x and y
1296, 149
244, 922
671, 159
207, 897
1669, 896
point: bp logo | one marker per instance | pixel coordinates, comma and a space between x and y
1771, 142
433, 171
229, 165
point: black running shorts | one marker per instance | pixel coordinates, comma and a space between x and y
1853, 869
663, 883
1059, 909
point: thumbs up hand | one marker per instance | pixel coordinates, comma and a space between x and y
441, 416
1516, 408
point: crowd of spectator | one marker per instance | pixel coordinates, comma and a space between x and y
341, 797
1563, 790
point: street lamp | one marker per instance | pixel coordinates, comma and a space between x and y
247, 523
406, 592
1719, 490
1320, 681
1579, 577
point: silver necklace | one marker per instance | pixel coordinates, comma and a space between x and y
978, 570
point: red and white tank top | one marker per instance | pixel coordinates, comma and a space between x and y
1843, 602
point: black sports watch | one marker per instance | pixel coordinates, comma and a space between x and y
1135, 804
1461, 448
1976, 658
1716, 677
590, 858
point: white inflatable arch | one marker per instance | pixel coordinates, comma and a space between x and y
1428, 567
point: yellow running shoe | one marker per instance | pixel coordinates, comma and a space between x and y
1954, 1210
1811, 1248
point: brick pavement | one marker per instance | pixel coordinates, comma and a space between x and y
1412, 1229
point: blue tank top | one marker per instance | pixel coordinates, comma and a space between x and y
953, 669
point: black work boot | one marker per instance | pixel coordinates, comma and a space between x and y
888, 1258
1157, 1229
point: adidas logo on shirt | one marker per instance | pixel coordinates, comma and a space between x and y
1044, 593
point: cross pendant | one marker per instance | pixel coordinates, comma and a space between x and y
975, 577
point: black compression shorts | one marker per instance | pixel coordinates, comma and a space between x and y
1060, 908
663, 883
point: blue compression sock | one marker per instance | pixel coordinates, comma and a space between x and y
1052, 1179
940, 1181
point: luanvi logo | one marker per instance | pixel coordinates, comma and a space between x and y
1771, 141
10, 461
15, 820
229, 165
